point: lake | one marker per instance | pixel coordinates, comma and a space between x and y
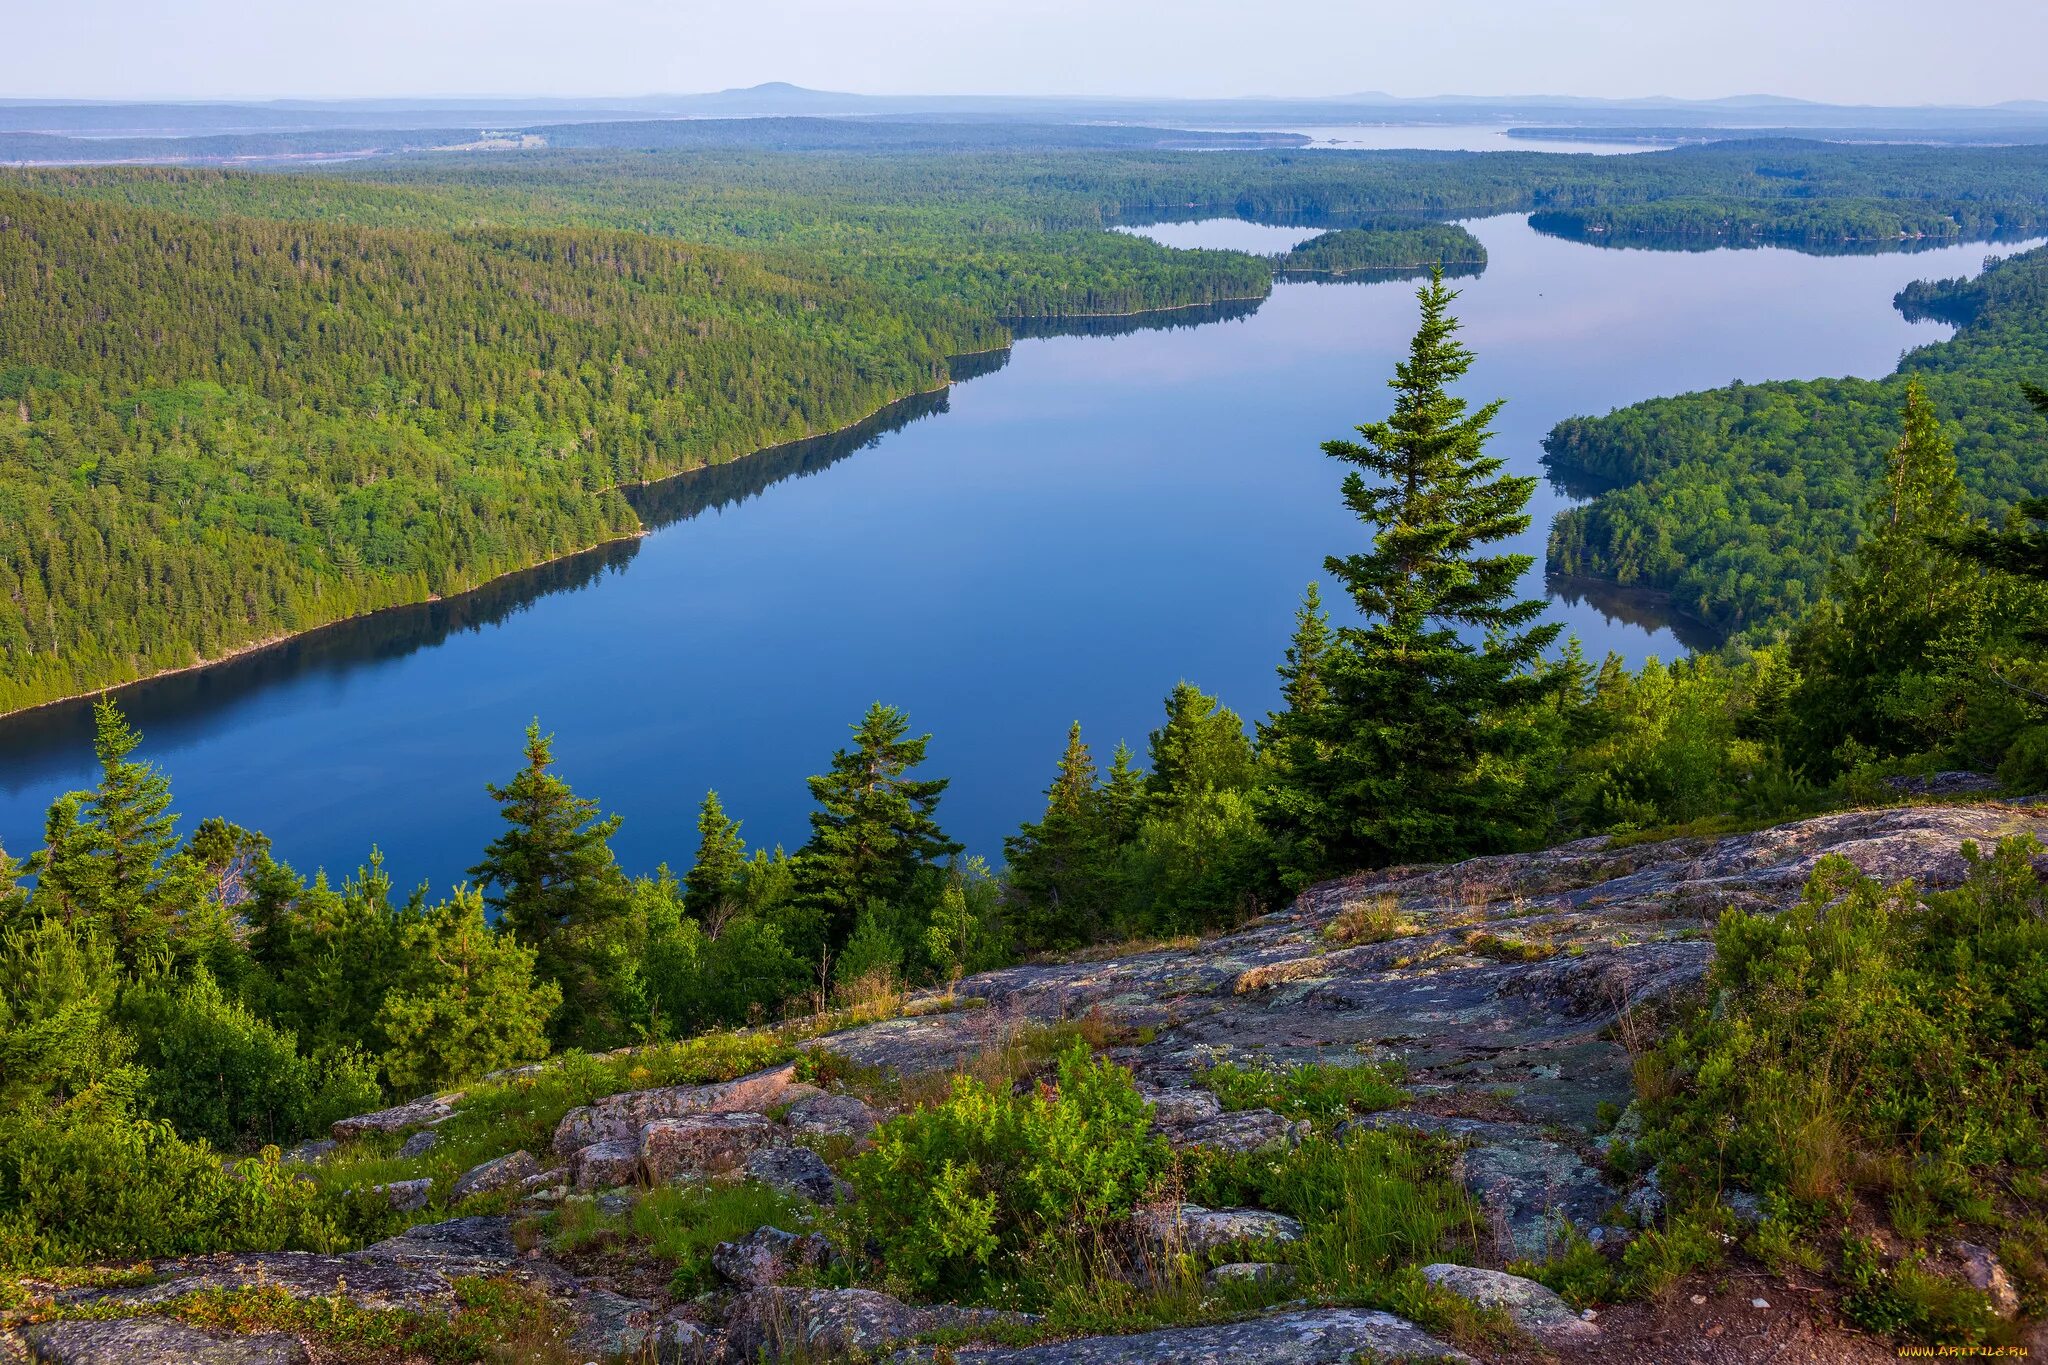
1064, 536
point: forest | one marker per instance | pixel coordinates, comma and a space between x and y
1737, 500
168, 996
244, 405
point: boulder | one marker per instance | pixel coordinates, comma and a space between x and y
703, 1144
407, 1196
309, 1151
765, 1256
419, 1144
1327, 1336
772, 1323
602, 1165
155, 1341
399, 1118
831, 1116
610, 1326
795, 1171
1180, 1108
680, 1341
372, 1283
1529, 1305
621, 1117
1247, 1130
477, 1245
1199, 1231
1984, 1272
498, 1173
815, 1324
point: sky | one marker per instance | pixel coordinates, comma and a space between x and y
1840, 51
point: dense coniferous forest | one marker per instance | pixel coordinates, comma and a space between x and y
244, 405
1737, 500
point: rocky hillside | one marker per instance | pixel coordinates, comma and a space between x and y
1505, 993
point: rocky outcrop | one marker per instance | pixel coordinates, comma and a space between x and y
611, 1326
702, 1145
766, 1256
399, 1118
830, 1116
1199, 1231
1530, 1306
499, 1173
621, 1117
1336, 1336
797, 1172
155, 1341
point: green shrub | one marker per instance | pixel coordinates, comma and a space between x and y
1380, 1200
953, 1194
1320, 1091
1907, 1300
220, 1074
90, 1183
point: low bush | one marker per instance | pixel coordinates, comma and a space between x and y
1320, 1091
952, 1195
91, 1183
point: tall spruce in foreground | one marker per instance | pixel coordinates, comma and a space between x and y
711, 888
876, 827
107, 859
1293, 740
1420, 756
557, 890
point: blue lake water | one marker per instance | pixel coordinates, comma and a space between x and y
1062, 537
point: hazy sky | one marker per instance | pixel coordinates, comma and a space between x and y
1857, 51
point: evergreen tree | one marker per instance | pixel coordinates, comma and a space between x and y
106, 857
2019, 548
1293, 740
712, 888
1122, 798
1201, 747
560, 893
13, 898
875, 827
1900, 608
469, 1001
1420, 756
1059, 874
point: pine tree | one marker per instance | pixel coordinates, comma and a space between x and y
875, 827
712, 887
1900, 607
1419, 754
105, 854
1122, 798
559, 891
1201, 747
1292, 742
468, 1003
1059, 874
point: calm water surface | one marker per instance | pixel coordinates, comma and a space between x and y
1063, 537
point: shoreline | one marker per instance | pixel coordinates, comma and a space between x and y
274, 641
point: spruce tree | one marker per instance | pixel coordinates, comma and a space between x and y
558, 891
468, 1002
1902, 607
1059, 866
1419, 754
106, 855
712, 887
875, 827
1293, 741
1122, 798
13, 898
1201, 747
